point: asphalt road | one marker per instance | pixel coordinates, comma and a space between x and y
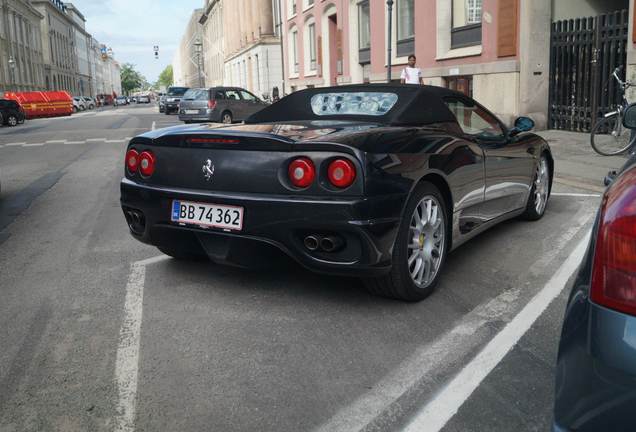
94, 338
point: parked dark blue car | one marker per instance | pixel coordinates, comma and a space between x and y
596, 370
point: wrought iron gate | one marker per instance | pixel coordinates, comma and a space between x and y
583, 54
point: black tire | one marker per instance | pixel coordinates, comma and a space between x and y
399, 283
533, 211
74, 109
12, 120
226, 117
609, 138
182, 255
167, 111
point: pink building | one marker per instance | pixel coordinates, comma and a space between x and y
498, 51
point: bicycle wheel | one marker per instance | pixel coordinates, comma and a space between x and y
609, 137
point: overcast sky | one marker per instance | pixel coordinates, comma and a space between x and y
132, 27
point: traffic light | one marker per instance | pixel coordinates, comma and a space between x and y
156, 49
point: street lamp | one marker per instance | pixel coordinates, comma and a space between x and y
12, 70
389, 4
198, 47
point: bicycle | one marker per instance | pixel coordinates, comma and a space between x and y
609, 137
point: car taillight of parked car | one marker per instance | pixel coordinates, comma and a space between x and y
302, 172
614, 270
211, 104
132, 161
146, 163
341, 173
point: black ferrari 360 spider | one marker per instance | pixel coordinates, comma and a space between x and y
374, 181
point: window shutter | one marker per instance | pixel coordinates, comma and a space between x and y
507, 28
319, 55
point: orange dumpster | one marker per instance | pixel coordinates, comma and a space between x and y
43, 104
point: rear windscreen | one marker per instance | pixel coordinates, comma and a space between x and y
359, 103
196, 94
177, 91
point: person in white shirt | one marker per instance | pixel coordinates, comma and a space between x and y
412, 74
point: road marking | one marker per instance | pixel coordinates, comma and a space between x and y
115, 141
440, 410
74, 142
55, 141
154, 124
582, 195
33, 145
96, 139
580, 185
127, 362
385, 399
14, 144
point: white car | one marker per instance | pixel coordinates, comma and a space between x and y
78, 104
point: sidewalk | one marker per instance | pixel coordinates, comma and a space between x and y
576, 163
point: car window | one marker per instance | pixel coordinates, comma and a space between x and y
196, 94
220, 95
177, 91
474, 120
248, 96
232, 94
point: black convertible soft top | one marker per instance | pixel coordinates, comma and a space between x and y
416, 105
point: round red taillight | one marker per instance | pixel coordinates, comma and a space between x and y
146, 163
342, 173
132, 160
302, 172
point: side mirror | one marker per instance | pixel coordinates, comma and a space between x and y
522, 124
629, 117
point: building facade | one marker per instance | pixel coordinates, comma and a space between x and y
252, 50
213, 42
21, 59
82, 48
189, 59
498, 51
59, 49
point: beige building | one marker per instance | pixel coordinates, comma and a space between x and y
189, 61
252, 51
21, 60
213, 40
59, 49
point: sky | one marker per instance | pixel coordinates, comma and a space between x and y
132, 27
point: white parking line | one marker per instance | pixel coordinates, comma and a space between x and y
127, 362
34, 145
457, 341
14, 144
440, 410
154, 124
55, 141
74, 142
115, 141
96, 139
581, 195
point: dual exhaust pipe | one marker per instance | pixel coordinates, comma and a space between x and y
327, 244
136, 221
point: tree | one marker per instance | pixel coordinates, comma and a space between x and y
130, 78
166, 77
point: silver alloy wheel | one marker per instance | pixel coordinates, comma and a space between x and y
541, 186
12, 120
227, 118
427, 240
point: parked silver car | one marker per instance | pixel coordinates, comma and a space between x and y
218, 104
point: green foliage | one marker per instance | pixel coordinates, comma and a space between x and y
166, 77
131, 79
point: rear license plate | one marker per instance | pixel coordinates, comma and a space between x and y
207, 215
192, 111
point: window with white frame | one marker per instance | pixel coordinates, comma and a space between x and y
466, 27
311, 45
308, 3
405, 10
364, 25
293, 51
293, 7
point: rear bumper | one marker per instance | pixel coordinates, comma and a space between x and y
275, 222
596, 370
214, 116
